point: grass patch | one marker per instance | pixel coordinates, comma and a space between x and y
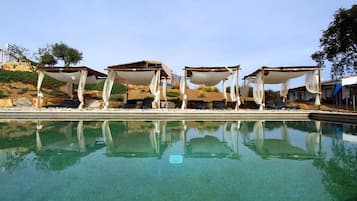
56, 93
117, 88
173, 94
202, 95
28, 78
117, 98
23, 90
2, 94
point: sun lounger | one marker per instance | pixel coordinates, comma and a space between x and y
67, 104
219, 104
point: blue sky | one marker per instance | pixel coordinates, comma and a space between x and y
177, 32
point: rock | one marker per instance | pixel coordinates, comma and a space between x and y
22, 102
18, 66
6, 102
93, 103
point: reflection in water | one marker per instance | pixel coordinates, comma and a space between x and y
56, 146
132, 141
213, 144
282, 147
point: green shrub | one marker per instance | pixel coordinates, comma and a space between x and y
173, 94
28, 78
56, 93
2, 94
117, 98
202, 95
23, 90
117, 87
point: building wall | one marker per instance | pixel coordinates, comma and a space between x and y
5, 55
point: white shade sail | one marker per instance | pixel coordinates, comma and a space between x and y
277, 77
136, 77
282, 75
70, 75
144, 72
209, 78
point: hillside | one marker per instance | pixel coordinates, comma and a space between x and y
18, 84
15, 85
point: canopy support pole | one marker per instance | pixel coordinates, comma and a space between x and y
320, 94
237, 92
263, 102
40, 76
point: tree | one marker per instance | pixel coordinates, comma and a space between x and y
67, 54
45, 57
18, 52
339, 44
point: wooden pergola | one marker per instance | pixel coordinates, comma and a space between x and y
209, 76
137, 73
280, 75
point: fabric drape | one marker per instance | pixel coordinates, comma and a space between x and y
107, 88
312, 85
41, 75
107, 136
245, 89
258, 131
208, 78
38, 138
136, 77
69, 89
74, 77
234, 91
80, 136
155, 90
284, 90
164, 86
224, 90
258, 90
81, 84
183, 92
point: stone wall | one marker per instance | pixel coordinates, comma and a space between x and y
18, 66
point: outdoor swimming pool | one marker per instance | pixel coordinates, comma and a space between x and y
177, 160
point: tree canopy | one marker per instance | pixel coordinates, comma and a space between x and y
339, 44
59, 51
67, 54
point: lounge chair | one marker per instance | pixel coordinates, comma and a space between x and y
147, 104
219, 104
130, 104
67, 104
280, 106
197, 105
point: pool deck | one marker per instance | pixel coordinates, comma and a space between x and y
174, 114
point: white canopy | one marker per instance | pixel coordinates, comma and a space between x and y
138, 73
136, 77
70, 75
282, 75
211, 76
278, 77
72, 78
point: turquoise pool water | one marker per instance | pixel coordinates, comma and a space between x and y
177, 160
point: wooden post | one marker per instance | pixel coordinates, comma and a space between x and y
158, 89
237, 90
